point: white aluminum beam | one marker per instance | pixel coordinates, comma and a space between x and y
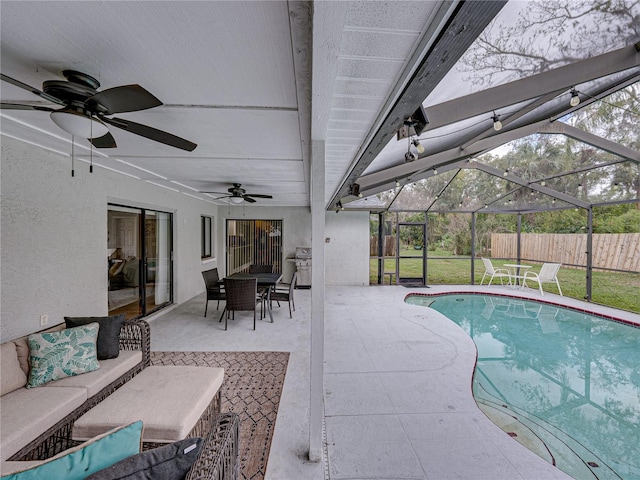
562, 128
561, 78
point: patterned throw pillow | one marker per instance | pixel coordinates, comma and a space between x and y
54, 355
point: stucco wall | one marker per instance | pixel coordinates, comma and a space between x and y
53, 237
347, 253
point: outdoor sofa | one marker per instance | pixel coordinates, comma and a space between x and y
37, 422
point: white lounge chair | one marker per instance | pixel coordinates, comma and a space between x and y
548, 274
493, 272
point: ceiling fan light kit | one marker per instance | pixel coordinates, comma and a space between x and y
236, 200
79, 124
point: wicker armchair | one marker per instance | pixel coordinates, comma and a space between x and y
214, 290
242, 295
284, 292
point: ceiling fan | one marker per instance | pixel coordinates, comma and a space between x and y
85, 110
237, 194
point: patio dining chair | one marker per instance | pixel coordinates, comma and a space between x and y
284, 292
242, 295
548, 274
493, 272
255, 268
213, 287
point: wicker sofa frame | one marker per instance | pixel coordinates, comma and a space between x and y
134, 335
218, 458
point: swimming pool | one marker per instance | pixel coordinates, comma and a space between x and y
564, 383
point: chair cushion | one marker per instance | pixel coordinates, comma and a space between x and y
108, 336
109, 371
61, 354
11, 375
26, 413
87, 458
169, 462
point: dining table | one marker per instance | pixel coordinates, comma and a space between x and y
266, 281
514, 272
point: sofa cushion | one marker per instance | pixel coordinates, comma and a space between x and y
11, 375
108, 336
169, 462
62, 354
109, 371
87, 458
169, 399
26, 413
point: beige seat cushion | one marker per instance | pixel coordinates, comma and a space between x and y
12, 376
11, 467
26, 413
168, 399
109, 371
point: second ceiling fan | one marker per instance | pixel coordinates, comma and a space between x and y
237, 194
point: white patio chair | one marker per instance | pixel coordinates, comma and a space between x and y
494, 272
548, 274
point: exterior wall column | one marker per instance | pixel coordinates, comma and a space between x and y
316, 405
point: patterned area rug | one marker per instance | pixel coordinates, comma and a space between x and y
252, 388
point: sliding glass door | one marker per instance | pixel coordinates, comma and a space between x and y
139, 260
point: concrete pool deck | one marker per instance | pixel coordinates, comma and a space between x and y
397, 386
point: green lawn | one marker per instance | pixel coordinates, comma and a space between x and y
619, 290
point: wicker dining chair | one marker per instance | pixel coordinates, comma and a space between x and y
284, 292
254, 268
214, 289
242, 295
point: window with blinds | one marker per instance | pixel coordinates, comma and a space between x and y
256, 242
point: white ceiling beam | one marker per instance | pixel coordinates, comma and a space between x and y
533, 186
561, 78
562, 128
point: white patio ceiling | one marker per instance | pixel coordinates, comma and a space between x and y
252, 83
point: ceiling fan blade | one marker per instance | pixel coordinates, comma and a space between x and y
126, 98
105, 141
218, 198
20, 106
31, 89
248, 199
257, 195
150, 133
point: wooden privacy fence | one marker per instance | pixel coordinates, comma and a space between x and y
389, 249
619, 251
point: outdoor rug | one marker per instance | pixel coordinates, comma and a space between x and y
252, 388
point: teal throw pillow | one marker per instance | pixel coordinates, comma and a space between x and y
169, 462
87, 458
63, 353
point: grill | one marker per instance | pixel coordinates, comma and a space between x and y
303, 267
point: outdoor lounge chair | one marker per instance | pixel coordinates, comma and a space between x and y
493, 272
548, 274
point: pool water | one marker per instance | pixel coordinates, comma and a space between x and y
564, 383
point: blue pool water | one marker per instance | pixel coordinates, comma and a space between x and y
569, 381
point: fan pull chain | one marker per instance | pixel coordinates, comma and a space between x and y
91, 147
72, 157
